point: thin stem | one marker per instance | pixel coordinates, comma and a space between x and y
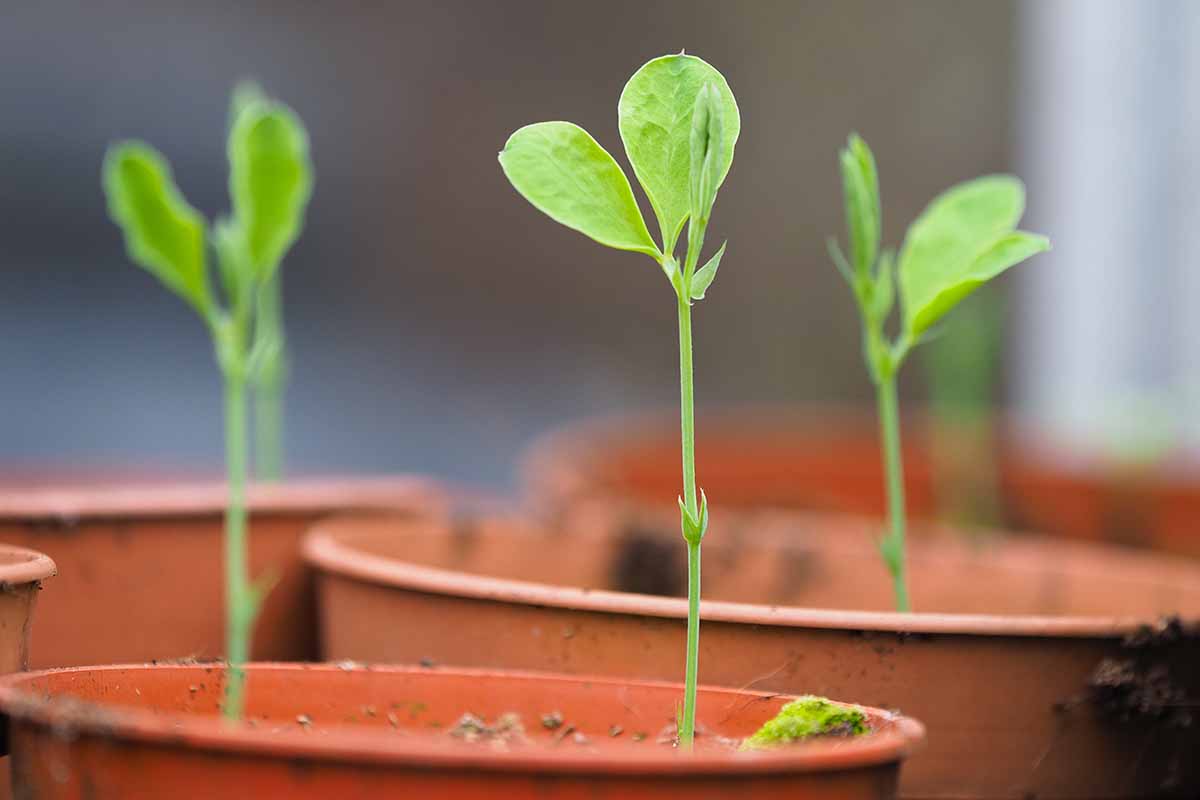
268, 428
238, 616
270, 381
686, 407
688, 428
688, 730
893, 545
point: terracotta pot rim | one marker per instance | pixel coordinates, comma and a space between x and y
27, 566
562, 458
901, 736
324, 550
190, 498
563, 446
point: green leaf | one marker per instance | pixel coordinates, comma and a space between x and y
671, 267
883, 291
860, 189
227, 241
706, 145
839, 260
655, 118
245, 93
1005, 251
963, 239
694, 528
163, 234
567, 175
704, 276
270, 181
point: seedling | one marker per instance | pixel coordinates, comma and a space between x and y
964, 238
269, 183
679, 122
270, 352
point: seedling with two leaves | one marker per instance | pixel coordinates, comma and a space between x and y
679, 122
963, 239
270, 181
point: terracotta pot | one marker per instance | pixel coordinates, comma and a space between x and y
829, 460
1040, 674
337, 732
142, 563
21, 574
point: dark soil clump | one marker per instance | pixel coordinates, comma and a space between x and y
1141, 686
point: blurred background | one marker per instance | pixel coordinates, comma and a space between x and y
438, 322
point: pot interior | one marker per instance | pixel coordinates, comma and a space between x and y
414, 706
798, 560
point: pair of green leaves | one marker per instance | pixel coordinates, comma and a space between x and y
964, 238
270, 182
679, 122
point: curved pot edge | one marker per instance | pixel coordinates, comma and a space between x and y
36, 566
203, 498
903, 736
323, 551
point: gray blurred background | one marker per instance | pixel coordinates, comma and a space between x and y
437, 321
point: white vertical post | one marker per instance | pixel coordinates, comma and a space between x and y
1100, 88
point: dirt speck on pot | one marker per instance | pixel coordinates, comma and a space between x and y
506, 730
1125, 690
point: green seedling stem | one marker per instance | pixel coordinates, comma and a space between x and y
672, 106
964, 238
270, 184
270, 382
269, 359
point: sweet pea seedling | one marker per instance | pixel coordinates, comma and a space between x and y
679, 122
270, 183
964, 238
269, 356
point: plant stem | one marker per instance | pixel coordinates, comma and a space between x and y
270, 382
889, 426
688, 429
688, 731
238, 615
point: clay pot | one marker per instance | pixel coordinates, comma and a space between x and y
141, 563
21, 574
829, 460
1039, 666
342, 732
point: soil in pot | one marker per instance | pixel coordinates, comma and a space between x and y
325, 731
1076, 689
829, 460
141, 562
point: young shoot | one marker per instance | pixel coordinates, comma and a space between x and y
269, 353
679, 123
964, 238
270, 181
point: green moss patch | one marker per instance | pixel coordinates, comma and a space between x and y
804, 718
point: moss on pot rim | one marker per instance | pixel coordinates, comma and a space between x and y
804, 718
